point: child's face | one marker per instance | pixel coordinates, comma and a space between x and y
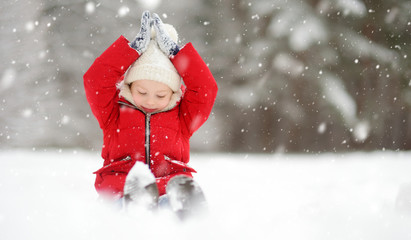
151, 96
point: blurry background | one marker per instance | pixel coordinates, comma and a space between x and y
294, 76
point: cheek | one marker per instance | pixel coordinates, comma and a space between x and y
137, 99
164, 102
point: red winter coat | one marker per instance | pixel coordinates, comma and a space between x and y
161, 140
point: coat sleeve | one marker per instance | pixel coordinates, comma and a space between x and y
201, 89
101, 78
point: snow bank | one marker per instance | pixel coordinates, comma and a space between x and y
50, 195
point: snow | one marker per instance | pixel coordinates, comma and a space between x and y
123, 11
30, 26
352, 7
307, 34
322, 128
288, 65
90, 7
334, 91
362, 131
8, 78
142, 173
50, 195
149, 4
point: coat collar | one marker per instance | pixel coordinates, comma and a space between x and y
125, 93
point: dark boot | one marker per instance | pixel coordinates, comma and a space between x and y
186, 197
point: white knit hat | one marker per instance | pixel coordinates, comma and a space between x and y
154, 65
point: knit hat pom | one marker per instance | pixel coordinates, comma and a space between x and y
171, 31
154, 65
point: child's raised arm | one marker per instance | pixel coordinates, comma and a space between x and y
201, 91
201, 86
107, 70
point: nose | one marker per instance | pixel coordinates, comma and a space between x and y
150, 102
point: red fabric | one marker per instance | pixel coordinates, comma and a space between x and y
124, 126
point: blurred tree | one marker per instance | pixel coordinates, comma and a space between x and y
294, 76
49, 46
310, 76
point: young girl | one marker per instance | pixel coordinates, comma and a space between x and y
147, 116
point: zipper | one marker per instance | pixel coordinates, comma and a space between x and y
147, 137
147, 144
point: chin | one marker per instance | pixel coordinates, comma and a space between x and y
150, 110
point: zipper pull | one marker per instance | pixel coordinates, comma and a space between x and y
126, 158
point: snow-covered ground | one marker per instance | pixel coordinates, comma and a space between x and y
50, 195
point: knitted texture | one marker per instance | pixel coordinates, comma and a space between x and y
154, 65
166, 42
142, 40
